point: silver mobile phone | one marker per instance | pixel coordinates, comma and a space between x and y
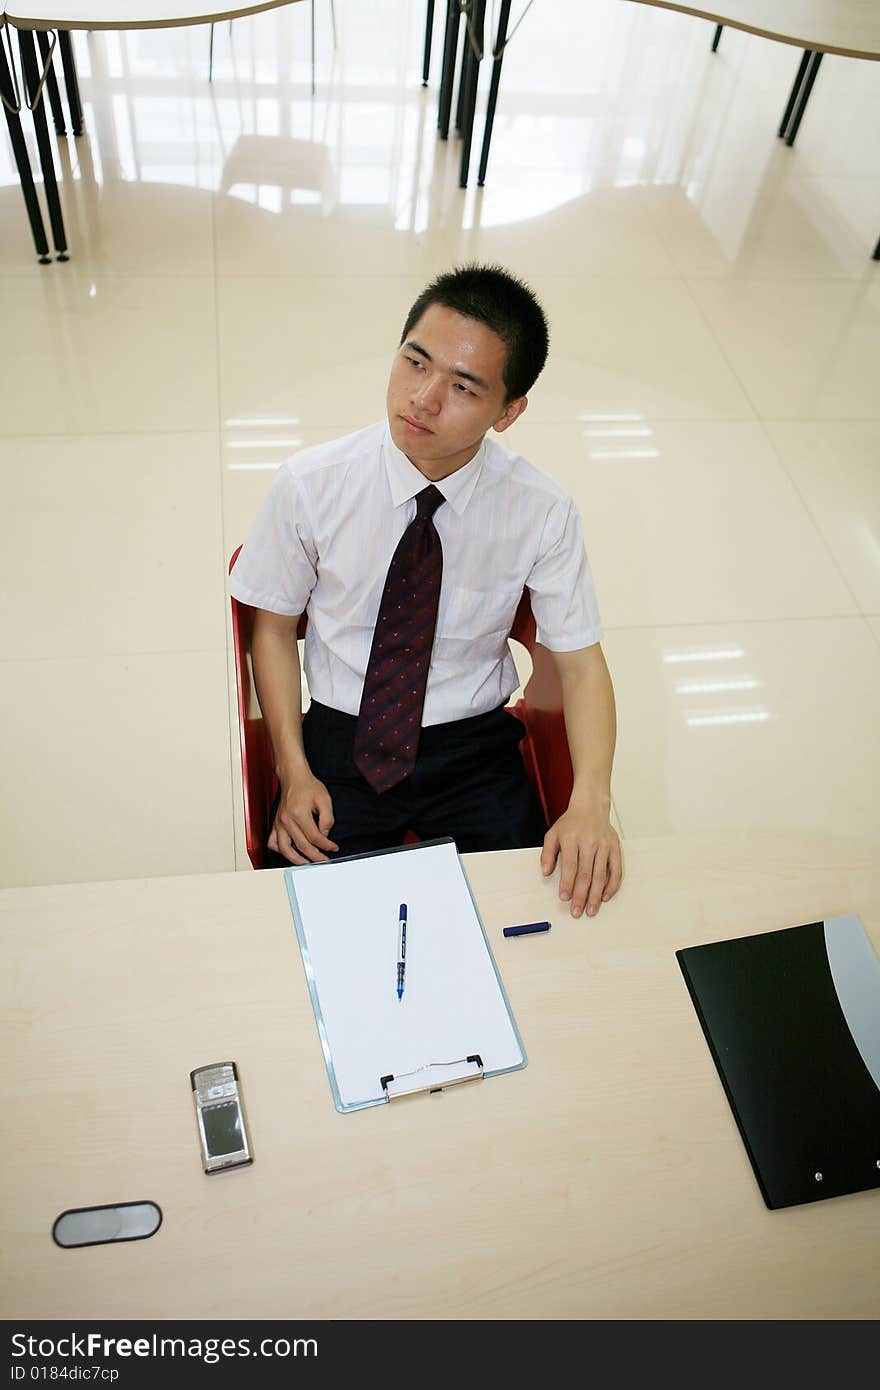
220, 1116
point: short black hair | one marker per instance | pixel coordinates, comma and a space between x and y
491, 295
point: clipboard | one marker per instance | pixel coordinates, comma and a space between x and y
792, 1020
454, 1023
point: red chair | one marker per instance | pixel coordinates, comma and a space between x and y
544, 748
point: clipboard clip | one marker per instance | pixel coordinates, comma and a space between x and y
432, 1078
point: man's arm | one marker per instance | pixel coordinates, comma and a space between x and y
587, 844
305, 811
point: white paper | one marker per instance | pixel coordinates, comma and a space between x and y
453, 1004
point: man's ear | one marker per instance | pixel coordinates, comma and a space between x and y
512, 412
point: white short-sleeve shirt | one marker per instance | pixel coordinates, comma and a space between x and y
327, 529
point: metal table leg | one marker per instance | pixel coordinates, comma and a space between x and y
803, 98
23, 164
52, 85
447, 75
719, 29
70, 81
429, 31
463, 63
469, 79
793, 94
498, 57
28, 46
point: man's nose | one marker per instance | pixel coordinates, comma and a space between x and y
427, 395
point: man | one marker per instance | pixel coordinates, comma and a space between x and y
410, 543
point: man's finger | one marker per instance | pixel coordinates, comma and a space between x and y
292, 835
296, 858
600, 878
584, 877
324, 807
615, 873
299, 822
284, 847
305, 818
316, 836
568, 867
549, 852
283, 844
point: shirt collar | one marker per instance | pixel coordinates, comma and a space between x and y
406, 481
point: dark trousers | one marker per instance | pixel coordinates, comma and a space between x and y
468, 782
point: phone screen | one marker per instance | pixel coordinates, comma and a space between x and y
223, 1128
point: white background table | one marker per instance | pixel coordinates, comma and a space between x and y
127, 14
605, 1180
850, 27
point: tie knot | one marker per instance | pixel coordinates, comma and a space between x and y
428, 500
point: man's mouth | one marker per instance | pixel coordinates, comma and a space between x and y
415, 425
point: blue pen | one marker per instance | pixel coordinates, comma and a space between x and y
401, 950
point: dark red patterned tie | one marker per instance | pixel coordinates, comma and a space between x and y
390, 716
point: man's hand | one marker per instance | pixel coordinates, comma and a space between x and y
591, 867
304, 819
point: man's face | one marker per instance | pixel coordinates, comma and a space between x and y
446, 390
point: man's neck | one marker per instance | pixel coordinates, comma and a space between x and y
444, 468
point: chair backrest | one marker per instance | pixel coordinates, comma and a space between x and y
258, 781
544, 748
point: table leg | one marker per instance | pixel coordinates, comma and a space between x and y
447, 74
793, 94
464, 60
52, 85
876, 255
719, 29
498, 58
28, 47
429, 31
803, 98
469, 86
70, 81
23, 164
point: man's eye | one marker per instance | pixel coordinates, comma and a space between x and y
460, 386
414, 361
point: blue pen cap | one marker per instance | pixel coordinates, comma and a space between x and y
403, 912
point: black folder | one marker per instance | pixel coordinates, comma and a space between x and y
792, 1019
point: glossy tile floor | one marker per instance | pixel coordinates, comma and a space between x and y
242, 258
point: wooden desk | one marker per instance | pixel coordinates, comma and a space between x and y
606, 1180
